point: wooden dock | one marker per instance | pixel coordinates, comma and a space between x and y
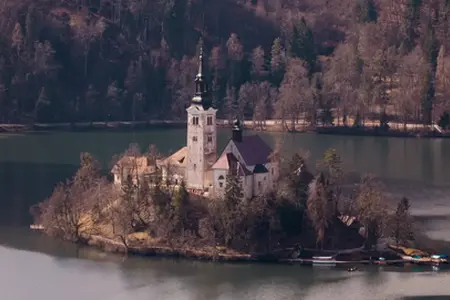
315, 262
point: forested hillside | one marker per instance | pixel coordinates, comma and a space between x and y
104, 60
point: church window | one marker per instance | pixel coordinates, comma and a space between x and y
194, 138
209, 121
221, 180
209, 139
195, 167
195, 121
259, 184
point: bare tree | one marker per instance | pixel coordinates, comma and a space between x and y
294, 92
408, 94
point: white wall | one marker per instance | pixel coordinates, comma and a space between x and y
201, 140
247, 186
117, 179
261, 183
219, 191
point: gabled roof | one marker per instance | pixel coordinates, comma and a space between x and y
176, 159
222, 163
139, 165
254, 150
227, 161
259, 168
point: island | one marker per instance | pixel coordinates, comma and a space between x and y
248, 204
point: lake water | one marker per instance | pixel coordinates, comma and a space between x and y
33, 266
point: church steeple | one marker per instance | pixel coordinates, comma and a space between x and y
201, 88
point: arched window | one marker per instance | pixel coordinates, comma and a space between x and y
221, 180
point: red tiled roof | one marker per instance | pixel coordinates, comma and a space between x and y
254, 150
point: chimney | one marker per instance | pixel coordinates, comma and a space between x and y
237, 131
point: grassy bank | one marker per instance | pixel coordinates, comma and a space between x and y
205, 253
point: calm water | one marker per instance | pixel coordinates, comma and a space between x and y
33, 266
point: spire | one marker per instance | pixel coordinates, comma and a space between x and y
201, 89
200, 61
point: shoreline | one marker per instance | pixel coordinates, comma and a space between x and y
112, 246
219, 254
413, 130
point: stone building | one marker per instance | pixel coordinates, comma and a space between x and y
197, 165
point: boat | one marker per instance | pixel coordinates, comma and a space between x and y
381, 261
323, 261
439, 258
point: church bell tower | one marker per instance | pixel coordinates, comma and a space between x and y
201, 133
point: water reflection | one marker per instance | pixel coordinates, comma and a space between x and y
415, 168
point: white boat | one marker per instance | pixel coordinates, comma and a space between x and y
323, 261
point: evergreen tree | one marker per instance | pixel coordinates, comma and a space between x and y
91, 101
365, 11
402, 223
320, 207
277, 62
430, 49
233, 191
112, 107
411, 20
302, 44
181, 197
299, 178
332, 165
41, 104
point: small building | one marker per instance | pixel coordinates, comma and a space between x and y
136, 167
197, 164
248, 158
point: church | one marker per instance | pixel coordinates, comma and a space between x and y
197, 164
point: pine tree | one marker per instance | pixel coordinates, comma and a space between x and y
230, 104
31, 27
320, 206
402, 224
411, 20
233, 191
181, 198
365, 11
112, 107
277, 62
302, 44
91, 100
332, 164
298, 178
41, 104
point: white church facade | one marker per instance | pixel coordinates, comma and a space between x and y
197, 163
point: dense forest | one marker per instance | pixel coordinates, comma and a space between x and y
311, 60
